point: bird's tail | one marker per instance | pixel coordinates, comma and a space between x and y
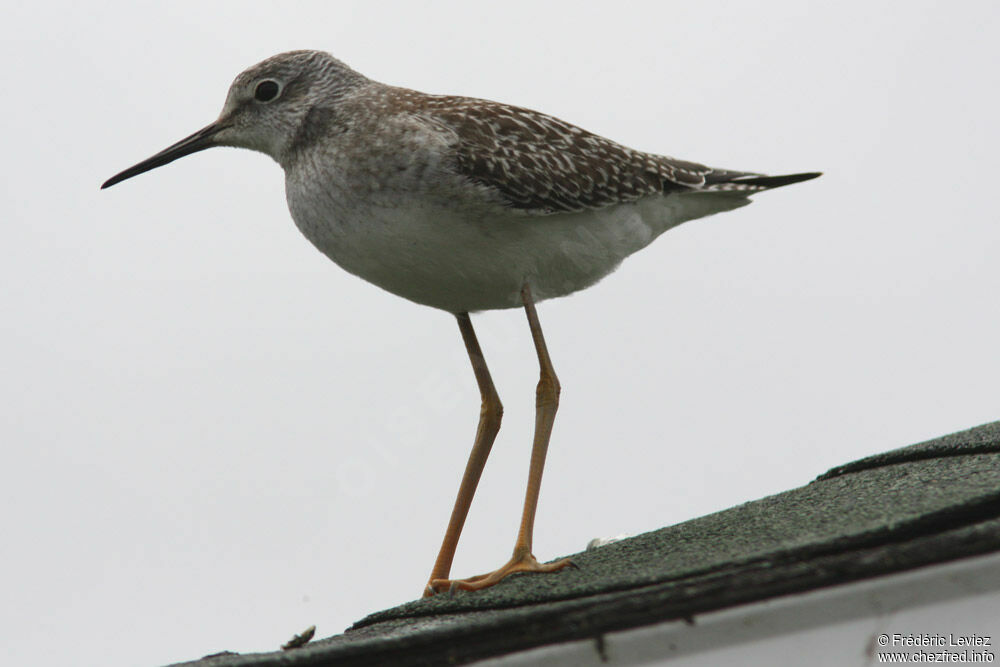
737, 181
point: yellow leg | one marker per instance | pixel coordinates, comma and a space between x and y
546, 403
490, 415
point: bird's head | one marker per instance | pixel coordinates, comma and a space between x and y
265, 108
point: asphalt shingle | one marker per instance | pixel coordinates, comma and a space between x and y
928, 503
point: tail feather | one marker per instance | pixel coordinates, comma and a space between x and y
738, 181
778, 181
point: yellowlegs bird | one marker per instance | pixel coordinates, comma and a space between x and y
464, 205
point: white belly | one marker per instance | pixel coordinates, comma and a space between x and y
460, 261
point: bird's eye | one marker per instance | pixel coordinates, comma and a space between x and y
266, 90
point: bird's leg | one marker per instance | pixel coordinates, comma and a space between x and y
546, 403
489, 424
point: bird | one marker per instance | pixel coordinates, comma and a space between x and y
463, 205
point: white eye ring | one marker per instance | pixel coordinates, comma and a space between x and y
267, 90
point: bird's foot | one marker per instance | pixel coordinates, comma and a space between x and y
525, 563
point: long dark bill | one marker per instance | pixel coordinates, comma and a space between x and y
198, 141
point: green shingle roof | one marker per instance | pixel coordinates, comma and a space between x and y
928, 503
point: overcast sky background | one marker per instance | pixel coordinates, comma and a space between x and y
213, 437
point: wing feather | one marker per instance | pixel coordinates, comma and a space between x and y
542, 165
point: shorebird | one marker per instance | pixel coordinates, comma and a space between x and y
464, 205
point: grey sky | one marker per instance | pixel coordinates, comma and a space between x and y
213, 437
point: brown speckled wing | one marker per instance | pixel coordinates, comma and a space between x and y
541, 164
